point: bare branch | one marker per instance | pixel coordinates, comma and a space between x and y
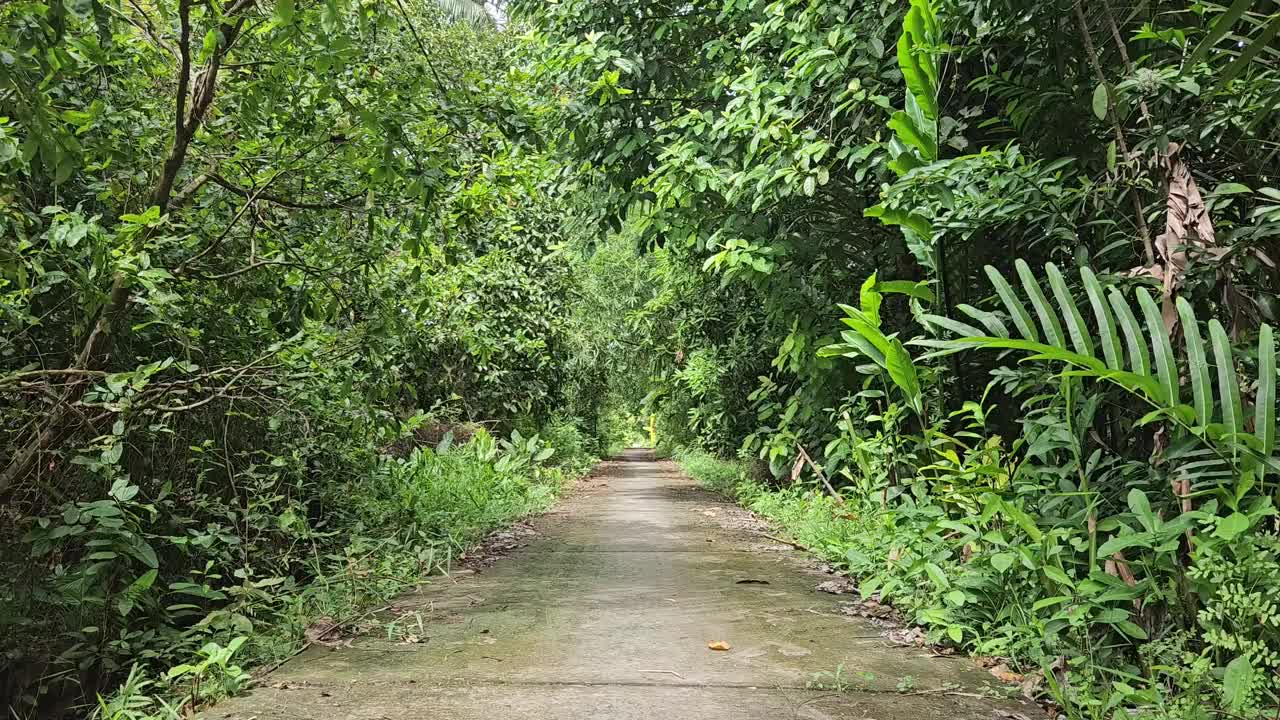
285, 202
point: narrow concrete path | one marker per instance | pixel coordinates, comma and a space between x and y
607, 613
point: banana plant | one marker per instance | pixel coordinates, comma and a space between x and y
1136, 356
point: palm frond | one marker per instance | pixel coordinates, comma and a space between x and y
1217, 413
469, 11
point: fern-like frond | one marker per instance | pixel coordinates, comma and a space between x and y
1149, 369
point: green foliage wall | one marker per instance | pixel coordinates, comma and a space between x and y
253, 253
1057, 504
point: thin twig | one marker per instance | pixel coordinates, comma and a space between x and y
821, 476
1121, 144
793, 544
1124, 56
413, 30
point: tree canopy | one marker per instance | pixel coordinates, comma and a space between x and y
977, 298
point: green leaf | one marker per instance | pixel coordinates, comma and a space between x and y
1021, 318
1139, 358
1100, 101
936, 575
211, 40
1197, 364
1124, 542
1231, 526
117, 381
1228, 388
1131, 629
955, 597
857, 342
917, 290
903, 372
955, 326
143, 551
1048, 319
1002, 561
1237, 682
1080, 339
1091, 366
1043, 603
1107, 335
870, 299
1141, 508
1057, 575
989, 320
864, 327
1112, 616
1220, 28
919, 71
1022, 520
144, 582
914, 136
1251, 49
1230, 188
1166, 366
1264, 418
915, 222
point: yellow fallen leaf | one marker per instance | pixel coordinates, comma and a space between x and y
718, 645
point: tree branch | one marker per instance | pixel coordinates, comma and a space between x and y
282, 201
1121, 144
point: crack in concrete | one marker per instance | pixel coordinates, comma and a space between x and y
462, 684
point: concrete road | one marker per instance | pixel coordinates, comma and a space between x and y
607, 612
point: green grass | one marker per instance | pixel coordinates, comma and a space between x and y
720, 475
810, 518
409, 519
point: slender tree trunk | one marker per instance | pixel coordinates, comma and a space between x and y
61, 422
1122, 145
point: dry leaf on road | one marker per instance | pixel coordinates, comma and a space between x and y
718, 645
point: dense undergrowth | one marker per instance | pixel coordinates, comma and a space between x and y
412, 518
1001, 275
290, 315
977, 585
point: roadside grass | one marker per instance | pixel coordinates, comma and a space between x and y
722, 476
410, 520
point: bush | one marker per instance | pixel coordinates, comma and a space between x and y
154, 582
722, 476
